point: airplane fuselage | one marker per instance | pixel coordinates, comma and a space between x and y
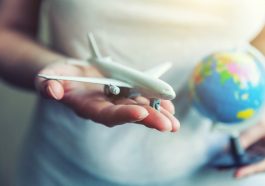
147, 86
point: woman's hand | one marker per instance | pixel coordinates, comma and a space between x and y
89, 100
255, 137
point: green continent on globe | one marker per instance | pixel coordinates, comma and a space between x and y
236, 66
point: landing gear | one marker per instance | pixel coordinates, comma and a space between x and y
155, 103
110, 91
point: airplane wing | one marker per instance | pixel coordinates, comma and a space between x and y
159, 70
102, 81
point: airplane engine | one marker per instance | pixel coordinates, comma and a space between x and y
112, 89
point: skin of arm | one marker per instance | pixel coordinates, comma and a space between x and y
22, 58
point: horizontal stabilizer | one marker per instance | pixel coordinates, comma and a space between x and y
159, 70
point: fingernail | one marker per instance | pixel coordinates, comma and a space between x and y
140, 115
176, 127
143, 114
167, 127
52, 93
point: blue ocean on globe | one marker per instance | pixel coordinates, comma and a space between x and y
229, 87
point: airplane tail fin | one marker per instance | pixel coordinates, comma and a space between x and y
93, 46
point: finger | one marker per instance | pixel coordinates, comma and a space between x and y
142, 100
251, 169
168, 105
156, 120
252, 135
175, 123
50, 88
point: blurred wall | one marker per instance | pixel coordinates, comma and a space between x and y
16, 107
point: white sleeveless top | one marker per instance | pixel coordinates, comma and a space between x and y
141, 34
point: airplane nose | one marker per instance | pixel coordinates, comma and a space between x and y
168, 93
173, 95
170, 96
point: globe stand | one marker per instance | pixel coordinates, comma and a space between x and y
236, 156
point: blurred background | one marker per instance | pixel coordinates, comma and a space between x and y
16, 107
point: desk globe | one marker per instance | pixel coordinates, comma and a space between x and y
229, 88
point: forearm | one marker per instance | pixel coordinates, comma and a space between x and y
21, 58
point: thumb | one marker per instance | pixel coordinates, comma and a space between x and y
253, 134
250, 169
50, 88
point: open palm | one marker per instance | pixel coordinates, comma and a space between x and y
89, 100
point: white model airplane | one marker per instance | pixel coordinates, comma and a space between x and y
145, 83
